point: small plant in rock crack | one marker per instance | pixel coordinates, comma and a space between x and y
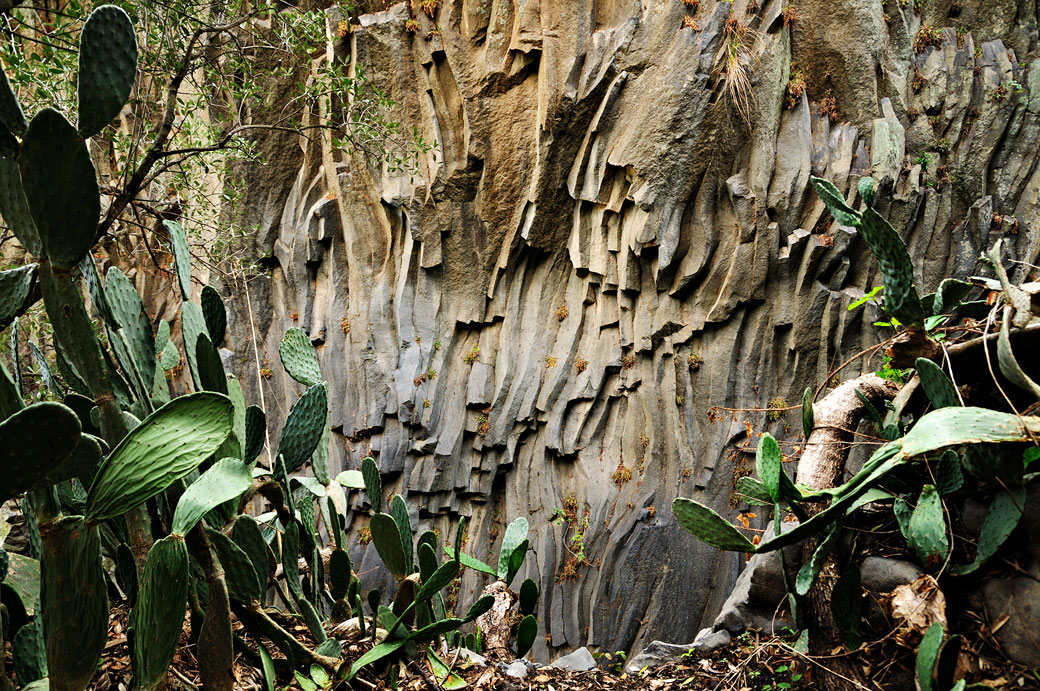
472, 355
776, 407
795, 89
694, 361
580, 365
562, 312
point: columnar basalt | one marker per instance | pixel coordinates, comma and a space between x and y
600, 249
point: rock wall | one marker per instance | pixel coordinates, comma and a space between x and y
600, 250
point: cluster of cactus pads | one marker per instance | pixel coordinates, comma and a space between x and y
159, 484
962, 448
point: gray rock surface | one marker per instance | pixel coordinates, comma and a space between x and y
1016, 602
516, 669
580, 660
881, 575
708, 641
620, 254
656, 654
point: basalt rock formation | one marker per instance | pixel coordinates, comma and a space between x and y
606, 244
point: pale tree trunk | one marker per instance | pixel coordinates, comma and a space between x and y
822, 466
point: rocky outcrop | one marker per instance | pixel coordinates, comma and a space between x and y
599, 251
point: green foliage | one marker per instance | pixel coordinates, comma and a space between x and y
159, 615
167, 445
107, 67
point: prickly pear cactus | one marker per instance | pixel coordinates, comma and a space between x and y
168, 444
298, 357
74, 602
387, 538
15, 289
303, 427
214, 313
12, 119
225, 480
158, 616
61, 188
927, 529
242, 582
708, 526
15, 209
107, 67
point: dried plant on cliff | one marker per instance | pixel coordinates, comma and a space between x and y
732, 68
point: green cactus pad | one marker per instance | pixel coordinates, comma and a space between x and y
15, 289
399, 511
168, 444
214, 313
12, 118
387, 539
81, 462
247, 535
948, 476
193, 325
847, 606
471, 562
865, 187
49, 381
72, 326
897, 270
131, 317
15, 209
426, 555
1004, 514
516, 533
96, 289
107, 67
303, 427
949, 294
516, 560
927, 530
753, 491
298, 357
438, 580
526, 635
209, 366
528, 597
242, 582
29, 651
61, 188
320, 457
181, 256
10, 400
158, 616
808, 421
290, 558
74, 600
170, 356
225, 480
373, 483
340, 573
34, 442
966, 425
927, 653
835, 201
256, 432
811, 568
937, 386
769, 465
708, 526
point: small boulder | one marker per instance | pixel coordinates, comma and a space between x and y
516, 669
580, 660
708, 641
656, 654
